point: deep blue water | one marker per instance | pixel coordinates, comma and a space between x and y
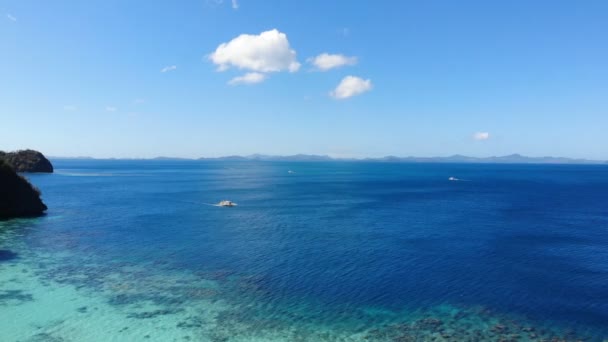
524, 240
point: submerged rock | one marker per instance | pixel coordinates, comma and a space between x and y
18, 198
27, 161
6, 255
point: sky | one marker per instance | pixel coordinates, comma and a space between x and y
139, 79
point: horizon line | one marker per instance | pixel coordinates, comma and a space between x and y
325, 157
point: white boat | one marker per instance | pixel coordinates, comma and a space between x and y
226, 203
453, 179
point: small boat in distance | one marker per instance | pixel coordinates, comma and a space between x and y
226, 203
291, 171
453, 179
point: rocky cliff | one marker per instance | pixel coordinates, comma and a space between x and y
27, 161
18, 198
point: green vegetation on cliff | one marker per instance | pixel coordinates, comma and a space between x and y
18, 198
27, 161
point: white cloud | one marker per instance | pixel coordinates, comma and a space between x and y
326, 61
10, 17
111, 109
70, 108
168, 68
481, 136
235, 4
267, 52
139, 101
248, 78
351, 86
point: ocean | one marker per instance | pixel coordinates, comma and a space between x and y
331, 251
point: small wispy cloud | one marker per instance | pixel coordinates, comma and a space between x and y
248, 78
111, 109
217, 3
168, 68
139, 101
326, 61
481, 136
351, 86
70, 108
11, 17
213, 3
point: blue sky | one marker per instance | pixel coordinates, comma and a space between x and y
422, 78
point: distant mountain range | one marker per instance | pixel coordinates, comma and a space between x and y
509, 159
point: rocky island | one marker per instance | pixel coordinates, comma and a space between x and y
27, 161
18, 198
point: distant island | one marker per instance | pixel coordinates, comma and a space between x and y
27, 161
18, 198
509, 159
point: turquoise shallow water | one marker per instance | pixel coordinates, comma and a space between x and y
131, 251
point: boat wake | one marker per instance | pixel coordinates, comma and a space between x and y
221, 204
454, 179
203, 203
